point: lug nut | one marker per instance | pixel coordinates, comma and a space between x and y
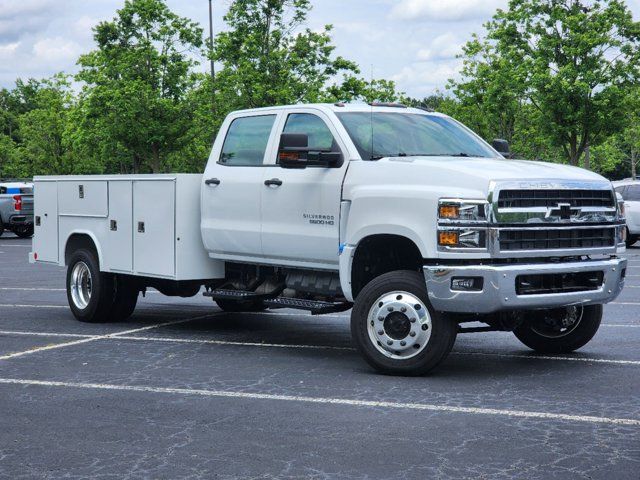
417, 307
403, 309
403, 343
380, 332
413, 320
381, 318
412, 334
425, 327
389, 342
390, 309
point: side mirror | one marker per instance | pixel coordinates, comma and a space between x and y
502, 147
294, 152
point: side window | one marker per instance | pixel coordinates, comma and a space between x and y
632, 193
320, 137
246, 141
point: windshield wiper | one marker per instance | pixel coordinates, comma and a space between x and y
379, 157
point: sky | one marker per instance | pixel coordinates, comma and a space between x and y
413, 42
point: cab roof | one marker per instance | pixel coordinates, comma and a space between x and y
350, 107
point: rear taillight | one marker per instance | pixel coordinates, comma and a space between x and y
18, 202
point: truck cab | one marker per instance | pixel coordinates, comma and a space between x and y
403, 216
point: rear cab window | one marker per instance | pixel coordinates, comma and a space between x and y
246, 142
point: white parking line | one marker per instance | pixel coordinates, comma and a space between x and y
43, 289
15, 245
97, 337
329, 401
17, 305
44, 334
311, 347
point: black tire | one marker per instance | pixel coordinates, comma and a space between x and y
1, 227
236, 306
631, 239
24, 232
442, 333
100, 299
541, 332
125, 299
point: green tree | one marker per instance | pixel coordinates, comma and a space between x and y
41, 149
268, 59
568, 59
137, 83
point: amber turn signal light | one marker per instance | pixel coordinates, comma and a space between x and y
448, 239
449, 211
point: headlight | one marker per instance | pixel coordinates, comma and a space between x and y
462, 224
462, 238
462, 210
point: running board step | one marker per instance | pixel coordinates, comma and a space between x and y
316, 307
239, 295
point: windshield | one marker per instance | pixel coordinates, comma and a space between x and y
408, 134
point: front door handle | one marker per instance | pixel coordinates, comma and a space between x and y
212, 181
274, 182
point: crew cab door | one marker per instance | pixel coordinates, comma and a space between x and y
233, 185
301, 208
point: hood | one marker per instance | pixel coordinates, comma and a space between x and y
477, 173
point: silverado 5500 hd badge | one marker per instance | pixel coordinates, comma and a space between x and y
316, 219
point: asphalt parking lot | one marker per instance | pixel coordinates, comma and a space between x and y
182, 390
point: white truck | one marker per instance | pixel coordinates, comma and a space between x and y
403, 215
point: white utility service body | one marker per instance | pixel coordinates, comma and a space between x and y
293, 210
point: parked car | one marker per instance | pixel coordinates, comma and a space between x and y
16, 208
404, 216
630, 191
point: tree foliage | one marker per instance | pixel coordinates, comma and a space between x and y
571, 60
553, 77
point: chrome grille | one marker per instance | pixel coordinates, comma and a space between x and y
529, 219
556, 238
551, 198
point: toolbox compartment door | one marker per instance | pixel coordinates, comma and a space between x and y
83, 198
118, 249
45, 240
154, 227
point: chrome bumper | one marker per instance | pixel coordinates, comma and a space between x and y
499, 286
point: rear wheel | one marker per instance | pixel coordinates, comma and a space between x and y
395, 328
90, 292
125, 298
560, 330
24, 231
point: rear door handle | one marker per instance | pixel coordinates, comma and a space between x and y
212, 181
274, 182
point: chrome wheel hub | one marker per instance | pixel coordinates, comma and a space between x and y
559, 322
80, 285
399, 325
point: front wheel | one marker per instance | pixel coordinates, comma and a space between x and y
559, 330
631, 239
395, 328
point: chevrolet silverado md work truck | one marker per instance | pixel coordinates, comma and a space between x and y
403, 215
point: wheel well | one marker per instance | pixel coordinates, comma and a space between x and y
76, 242
380, 254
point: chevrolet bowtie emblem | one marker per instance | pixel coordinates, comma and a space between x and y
563, 210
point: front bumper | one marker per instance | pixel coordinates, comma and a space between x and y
499, 286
